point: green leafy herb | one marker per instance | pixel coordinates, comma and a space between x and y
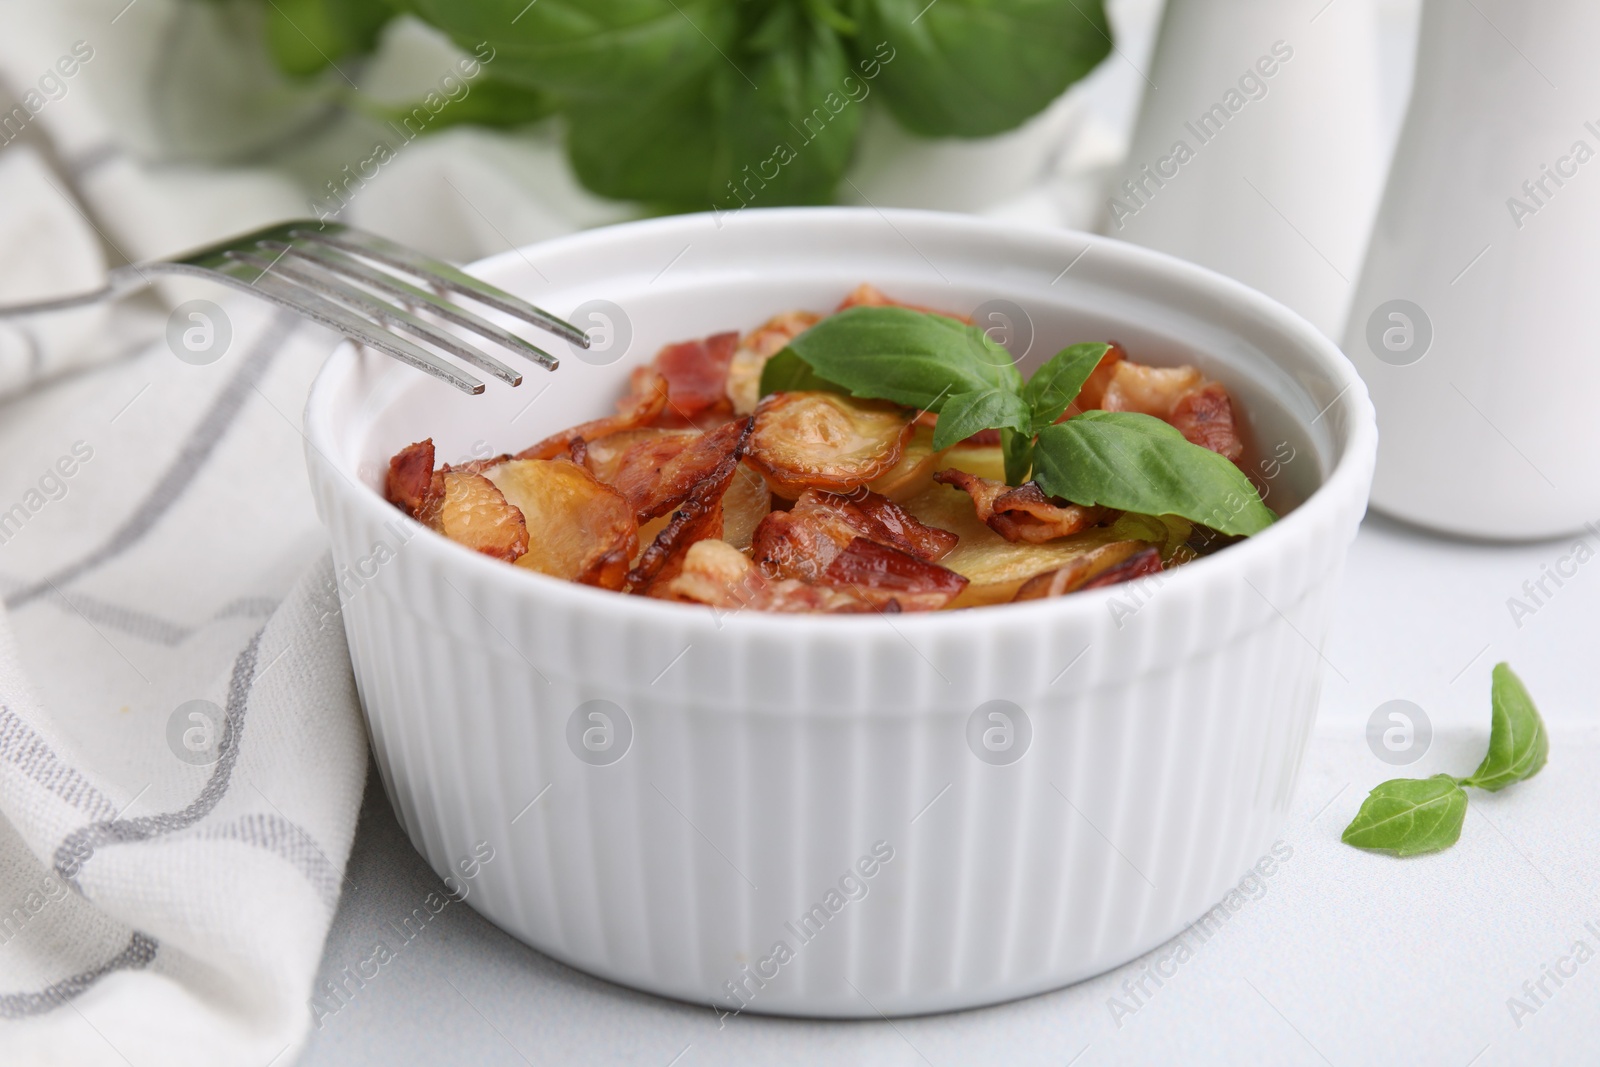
714, 141
1138, 463
892, 353
1518, 743
591, 49
305, 37
788, 373
1017, 451
964, 414
1119, 459
707, 104
973, 68
1408, 816
1054, 386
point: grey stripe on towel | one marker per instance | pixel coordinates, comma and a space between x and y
202, 441
19, 745
140, 951
79, 846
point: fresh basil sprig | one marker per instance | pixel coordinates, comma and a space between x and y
1119, 459
1409, 816
708, 104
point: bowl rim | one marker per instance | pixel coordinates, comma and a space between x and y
1349, 477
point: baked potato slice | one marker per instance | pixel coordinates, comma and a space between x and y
817, 440
582, 530
470, 510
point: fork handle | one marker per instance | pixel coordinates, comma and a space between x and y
120, 282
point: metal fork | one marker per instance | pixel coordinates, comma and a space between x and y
308, 267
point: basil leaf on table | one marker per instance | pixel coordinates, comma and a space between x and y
973, 68
1054, 386
590, 49
1408, 816
1138, 463
964, 414
1518, 742
909, 357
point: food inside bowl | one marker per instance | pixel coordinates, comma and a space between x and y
883, 458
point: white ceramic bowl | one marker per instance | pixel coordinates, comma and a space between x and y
763, 758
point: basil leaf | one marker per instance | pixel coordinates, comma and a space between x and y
716, 141
788, 373
1407, 816
491, 102
306, 36
1054, 386
1518, 742
912, 358
591, 49
964, 414
973, 68
655, 147
1016, 449
1138, 463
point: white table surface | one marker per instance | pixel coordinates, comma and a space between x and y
1342, 958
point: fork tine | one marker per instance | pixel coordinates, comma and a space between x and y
296, 298
321, 281
440, 273
350, 267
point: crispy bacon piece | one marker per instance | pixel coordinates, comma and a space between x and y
1094, 386
583, 531
662, 560
793, 546
803, 541
807, 440
1149, 390
758, 346
693, 482
1197, 407
1083, 571
1143, 563
865, 295
655, 483
890, 579
1205, 417
632, 461
1022, 513
639, 408
717, 574
882, 520
470, 510
410, 475
697, 379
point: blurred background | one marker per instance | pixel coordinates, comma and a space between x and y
465, 128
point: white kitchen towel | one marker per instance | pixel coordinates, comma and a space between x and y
181, 753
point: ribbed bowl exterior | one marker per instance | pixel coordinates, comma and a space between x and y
724, 858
